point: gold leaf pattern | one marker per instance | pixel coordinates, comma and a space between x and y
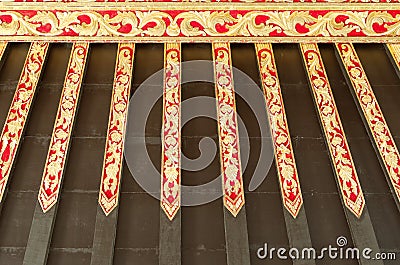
339, 150
189, 24
113, 154
171, 131
228, 129
19, 110
373, 113
59, 144
284, 156
394, 50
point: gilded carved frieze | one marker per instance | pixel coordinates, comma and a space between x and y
199, 23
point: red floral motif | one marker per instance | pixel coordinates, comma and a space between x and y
113, 155
144, 23
228, 128
372, 113
284, 157
171, 138
339, 150
58, 149
19, 110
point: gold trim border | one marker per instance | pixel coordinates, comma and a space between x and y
225, 6
208, 23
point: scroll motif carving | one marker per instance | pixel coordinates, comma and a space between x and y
19, 110
198, 24
284, 156
228, 129
394, 50
59, 144
339, 150
171, 142
113, 154
372, 113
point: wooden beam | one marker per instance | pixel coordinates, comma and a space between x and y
294, 213
105, 233
107, 212
298, 234
37, 248
170, 239
236, 238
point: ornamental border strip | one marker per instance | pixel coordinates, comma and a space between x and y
171, 131
116, 128
205, 1
54, 167
339, 149
372, 113
394, 50
228, 131
156, 22
284, 156
19, 110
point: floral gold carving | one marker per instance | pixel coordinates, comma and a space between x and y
195, 25
19, 110
62, 130
284, 156
113, 154
228, 128
335, 137
372, 113
171, 142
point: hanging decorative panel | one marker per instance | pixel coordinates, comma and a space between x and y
19, 110
284, 156
335, 137
228, 129
113, 154
63, 126
372, 113
171, 131
394, 50
3, 46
